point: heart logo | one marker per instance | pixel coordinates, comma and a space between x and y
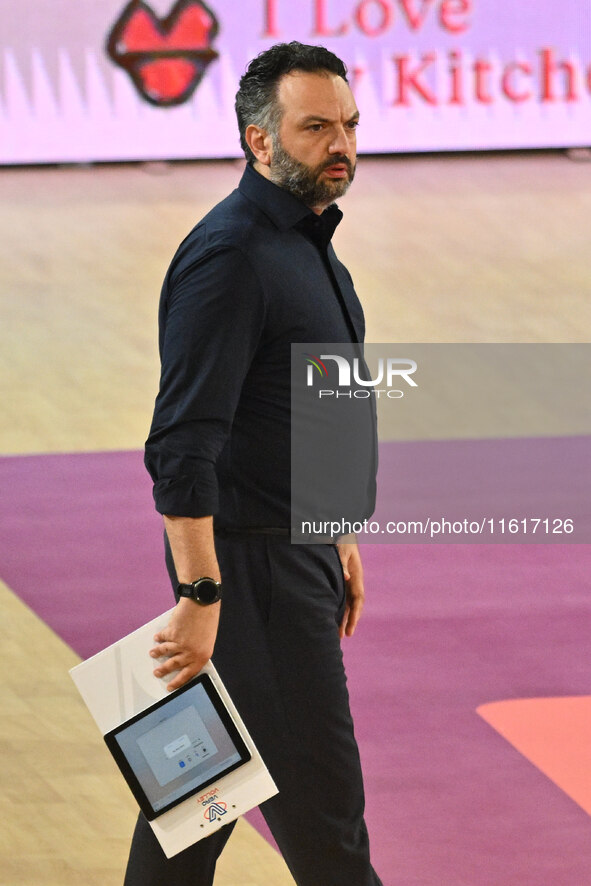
166, 58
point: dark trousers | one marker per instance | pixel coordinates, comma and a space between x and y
278, 653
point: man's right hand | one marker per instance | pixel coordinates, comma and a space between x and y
187, 641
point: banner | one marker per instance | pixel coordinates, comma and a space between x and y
92, 80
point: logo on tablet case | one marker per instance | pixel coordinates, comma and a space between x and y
215, 810
166, 58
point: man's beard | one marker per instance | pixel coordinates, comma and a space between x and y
304, 181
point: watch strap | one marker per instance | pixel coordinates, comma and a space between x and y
204, 590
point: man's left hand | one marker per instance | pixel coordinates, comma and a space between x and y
353, 571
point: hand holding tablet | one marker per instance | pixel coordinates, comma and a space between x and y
186, 755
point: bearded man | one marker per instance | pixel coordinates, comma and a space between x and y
256, 274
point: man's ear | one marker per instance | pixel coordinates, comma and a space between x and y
260, 143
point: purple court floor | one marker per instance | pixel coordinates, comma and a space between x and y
447, 629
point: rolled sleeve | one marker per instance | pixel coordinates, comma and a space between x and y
211, 317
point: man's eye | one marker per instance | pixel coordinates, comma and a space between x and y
315, 127
353, 124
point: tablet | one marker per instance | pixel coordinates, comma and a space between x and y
177, 747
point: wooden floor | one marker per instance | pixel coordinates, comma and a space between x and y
462, 249
465, 248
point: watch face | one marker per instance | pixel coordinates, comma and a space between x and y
208, 591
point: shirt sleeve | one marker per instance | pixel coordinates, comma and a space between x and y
211, 318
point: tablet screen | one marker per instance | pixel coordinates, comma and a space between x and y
177, 746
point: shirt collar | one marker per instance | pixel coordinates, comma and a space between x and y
285, 210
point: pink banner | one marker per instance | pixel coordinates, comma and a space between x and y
85, 80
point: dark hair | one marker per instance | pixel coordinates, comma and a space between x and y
256, 97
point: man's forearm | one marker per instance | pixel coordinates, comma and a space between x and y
193, 549
189, 638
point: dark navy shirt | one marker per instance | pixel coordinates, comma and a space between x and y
256, 274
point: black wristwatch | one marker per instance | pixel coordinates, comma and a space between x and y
204, 591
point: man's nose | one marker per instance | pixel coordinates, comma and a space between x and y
340, 142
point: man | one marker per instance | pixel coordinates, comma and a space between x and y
255, 275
